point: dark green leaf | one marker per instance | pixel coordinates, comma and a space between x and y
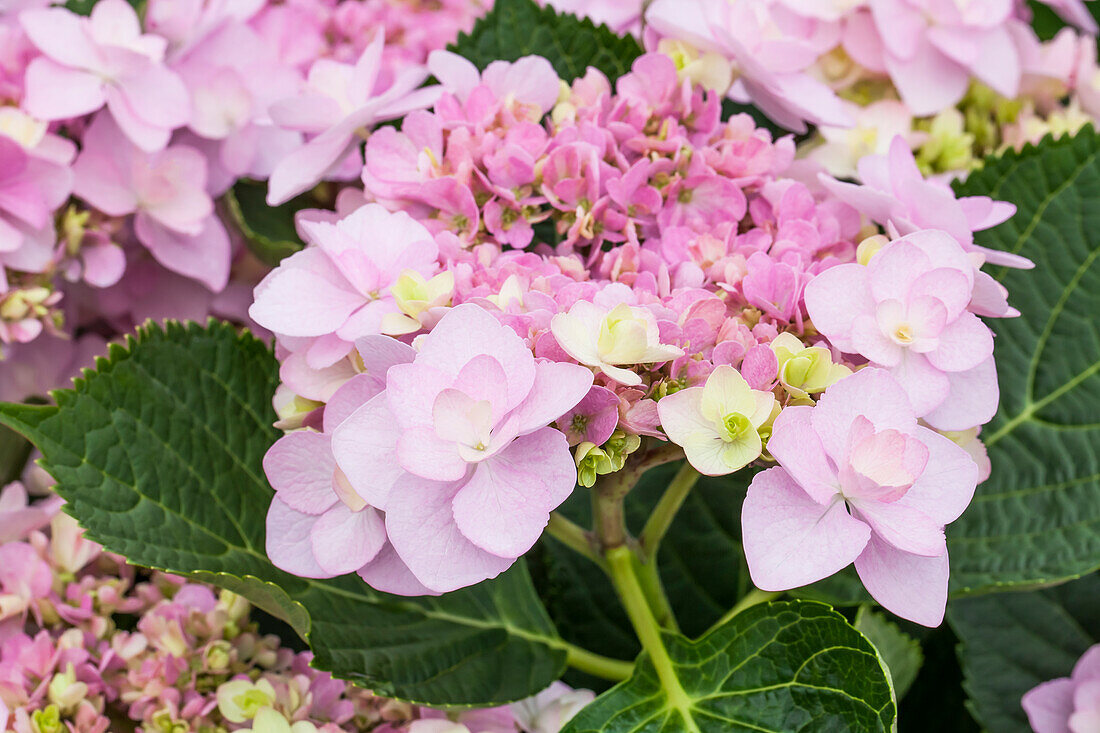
1037, 519
14, 452
790, 666
269, 230
158, 453
1011, 642
517, 28
901, 652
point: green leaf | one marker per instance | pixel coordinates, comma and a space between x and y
1011, 642
517, 28
269, 230
84, 7
158, 453
14, 452
1037, 519
901, 652
774, 667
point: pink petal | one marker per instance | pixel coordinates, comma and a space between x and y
300, 466
314, 384
61, 35
344, 541
146, 136
205, 256
1049, 706
296, 301
469, 330
926, 386
907, 585
903, 527
557, 388
506, 503
963, 345
423, 453
388, 573
354, 393
972, 399
308, 165
420, 524
157, 95
868, 340
833, 300
928, 81
894, 269
871, 393
379, 353
945, 488
790, 540
289, 546
998, 62
952, 288
104, 264
365, 447
798, 449
55, 92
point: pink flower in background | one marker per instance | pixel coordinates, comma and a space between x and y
103, 59
18, 518
772, 64
457, 453
340, 101
895, 193
24, 578
31, 188
529, 81
859, 481
166, 192
906, 310
1068, 704
932, 49
338, 289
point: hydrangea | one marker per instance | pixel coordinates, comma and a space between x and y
859, 481
1067, 704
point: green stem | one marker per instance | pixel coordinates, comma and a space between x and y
649, 577
621, 563
752, 598
573, 536
665, 511
597, 665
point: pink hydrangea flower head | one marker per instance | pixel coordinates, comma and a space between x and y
24, 578
103, 59
1068, 704
609, 339
339, 101
165, 191
895, 193
772, 63
339, 288
457, 453
718, 424
859, 481
906, 310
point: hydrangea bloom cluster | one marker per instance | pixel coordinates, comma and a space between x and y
539, 280
120, 136
189, 659
956, 80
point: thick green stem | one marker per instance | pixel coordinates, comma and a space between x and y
752, 598
665, 511
610, 491
622, 565
575, 537
649, 578
597, 665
